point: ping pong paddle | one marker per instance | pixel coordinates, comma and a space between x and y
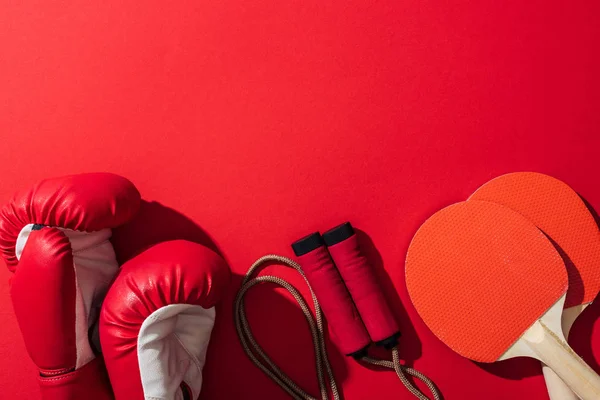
490, 285
558, 211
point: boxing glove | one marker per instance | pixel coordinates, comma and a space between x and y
157, 318
55, 238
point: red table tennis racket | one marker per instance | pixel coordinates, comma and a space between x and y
559, 212
490, 285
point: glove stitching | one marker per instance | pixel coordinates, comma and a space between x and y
194, 359
49, 374
190, 355
91, 247
75, 230
56, 378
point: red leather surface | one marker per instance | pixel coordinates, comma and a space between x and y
348, 330
262, 121
361, 281
89, 382
176, 272
43, 294
83, 202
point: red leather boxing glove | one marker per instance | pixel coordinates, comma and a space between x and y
157, 319
55, 238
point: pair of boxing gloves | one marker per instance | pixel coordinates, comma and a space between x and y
153, 316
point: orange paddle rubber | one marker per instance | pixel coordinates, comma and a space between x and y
561, 214
491, 286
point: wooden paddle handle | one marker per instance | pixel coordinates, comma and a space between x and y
554, 351
557, 389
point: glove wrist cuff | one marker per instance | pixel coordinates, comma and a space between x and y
90, 382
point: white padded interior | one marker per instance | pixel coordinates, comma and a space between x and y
95, 265
172, 347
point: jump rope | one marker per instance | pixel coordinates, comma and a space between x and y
344, 289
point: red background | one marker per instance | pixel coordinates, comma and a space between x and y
263, 121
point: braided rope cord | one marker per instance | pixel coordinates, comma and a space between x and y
262, 361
